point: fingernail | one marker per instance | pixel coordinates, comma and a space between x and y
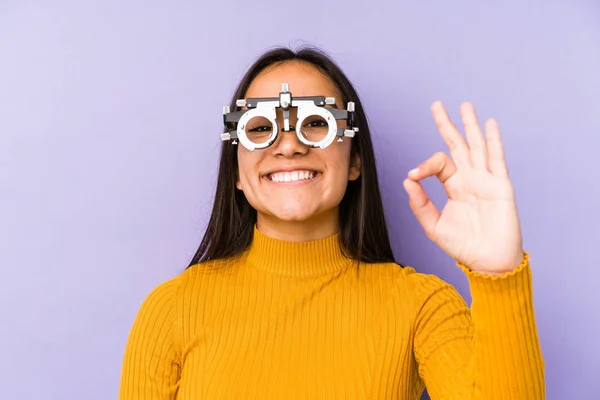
414, 171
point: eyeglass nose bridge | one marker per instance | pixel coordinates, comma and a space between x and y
292, 129
281, 130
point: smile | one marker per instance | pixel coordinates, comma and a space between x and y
292, 176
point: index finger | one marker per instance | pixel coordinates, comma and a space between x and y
454, 140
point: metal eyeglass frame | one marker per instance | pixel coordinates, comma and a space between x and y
307, 106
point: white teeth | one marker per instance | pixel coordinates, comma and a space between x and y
292, 176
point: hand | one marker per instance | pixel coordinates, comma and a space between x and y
479, 225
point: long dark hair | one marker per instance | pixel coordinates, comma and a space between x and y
363, 231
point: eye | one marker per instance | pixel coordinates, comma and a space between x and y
262, 128
315, 123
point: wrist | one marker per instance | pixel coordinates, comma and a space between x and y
496, 272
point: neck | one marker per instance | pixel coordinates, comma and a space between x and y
293, 259
317, 227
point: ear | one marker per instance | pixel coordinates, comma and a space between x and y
238, 184
354, 170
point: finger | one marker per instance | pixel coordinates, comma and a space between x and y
439, 165
454, 140
497, 162
425, 211
477, 145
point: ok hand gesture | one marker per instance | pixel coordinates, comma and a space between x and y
479, 225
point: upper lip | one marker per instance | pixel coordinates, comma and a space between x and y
290, 169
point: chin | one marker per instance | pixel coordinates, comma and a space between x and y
292, 211
293, 215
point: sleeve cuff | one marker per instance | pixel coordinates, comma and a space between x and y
473, 275
504, 288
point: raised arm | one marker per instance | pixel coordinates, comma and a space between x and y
491, 351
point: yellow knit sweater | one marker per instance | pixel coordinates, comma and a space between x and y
300, 321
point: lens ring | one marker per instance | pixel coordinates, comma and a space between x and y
265, 112
307, 111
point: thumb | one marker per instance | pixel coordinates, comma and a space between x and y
425, 211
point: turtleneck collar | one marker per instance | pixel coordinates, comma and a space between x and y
296, 259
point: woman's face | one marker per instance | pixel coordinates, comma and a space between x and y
308, 204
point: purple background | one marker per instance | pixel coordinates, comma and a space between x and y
110, 114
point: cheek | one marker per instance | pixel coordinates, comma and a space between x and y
338, 161
247, 168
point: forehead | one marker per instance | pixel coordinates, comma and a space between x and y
304, 80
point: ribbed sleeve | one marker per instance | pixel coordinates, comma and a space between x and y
151, 365
490, 351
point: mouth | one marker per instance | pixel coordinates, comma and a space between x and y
296, 176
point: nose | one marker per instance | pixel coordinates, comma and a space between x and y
287, 143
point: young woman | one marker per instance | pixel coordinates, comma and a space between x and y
294, 291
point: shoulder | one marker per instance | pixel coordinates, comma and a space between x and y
422, 284
411, 287
404, 277
160, 302
173, 294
